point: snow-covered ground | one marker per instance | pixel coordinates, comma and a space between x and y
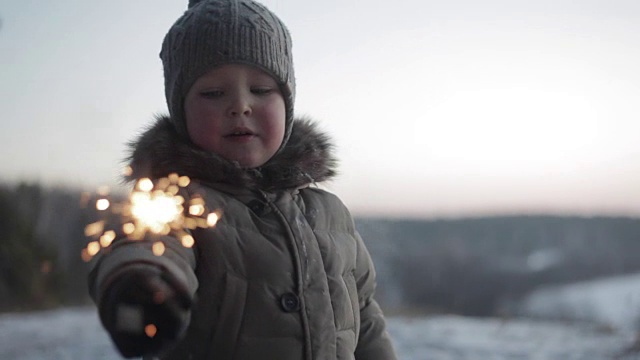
65, 334
70, 334
451, 337
612, 302
608, 311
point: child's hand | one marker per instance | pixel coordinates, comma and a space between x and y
144, 311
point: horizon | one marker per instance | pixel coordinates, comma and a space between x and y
123, 192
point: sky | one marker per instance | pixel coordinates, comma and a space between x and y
437, 109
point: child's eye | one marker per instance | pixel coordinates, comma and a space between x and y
261, 90
209, 94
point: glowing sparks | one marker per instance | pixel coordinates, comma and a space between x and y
173, 178
128, 228
107, 238
85, 255
94, 229
190, 223
150, 330
212, 219
196, 209
187, 241
145, 185
154, 211
173, 189
93, 248
102, 204
158, 248
153, 207
183, 181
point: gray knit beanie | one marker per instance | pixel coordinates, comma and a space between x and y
216, 32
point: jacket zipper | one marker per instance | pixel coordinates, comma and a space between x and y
300, 269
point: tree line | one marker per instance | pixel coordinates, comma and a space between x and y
472, 266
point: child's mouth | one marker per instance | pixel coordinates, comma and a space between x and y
240, 135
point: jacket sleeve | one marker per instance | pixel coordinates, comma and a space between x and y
176, 262
374, 342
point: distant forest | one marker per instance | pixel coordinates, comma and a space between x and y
475, 266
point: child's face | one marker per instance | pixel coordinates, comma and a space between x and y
238, 112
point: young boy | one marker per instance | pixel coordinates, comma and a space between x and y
284, 274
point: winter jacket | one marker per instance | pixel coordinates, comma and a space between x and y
283, 275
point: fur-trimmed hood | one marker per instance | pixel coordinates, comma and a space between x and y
306, 158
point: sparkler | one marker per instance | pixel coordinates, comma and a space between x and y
152, 207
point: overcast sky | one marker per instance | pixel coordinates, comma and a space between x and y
438, 108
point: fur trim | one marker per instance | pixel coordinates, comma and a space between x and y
306, 158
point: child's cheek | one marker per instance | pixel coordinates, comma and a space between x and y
275, 111
203, 123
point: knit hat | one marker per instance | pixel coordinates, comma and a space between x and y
216, 32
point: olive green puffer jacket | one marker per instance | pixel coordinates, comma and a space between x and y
283, 275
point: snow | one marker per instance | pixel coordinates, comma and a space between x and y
75, 333
452, 337
600, 320
613, 302
64, 334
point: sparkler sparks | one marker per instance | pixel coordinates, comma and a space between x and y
187, 241
158, 248
154, 211
102, 204
152, 207
150, 330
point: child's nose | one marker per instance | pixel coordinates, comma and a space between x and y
240, 105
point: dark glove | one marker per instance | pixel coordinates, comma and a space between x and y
144, 311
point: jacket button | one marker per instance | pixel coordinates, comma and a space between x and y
290, 302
